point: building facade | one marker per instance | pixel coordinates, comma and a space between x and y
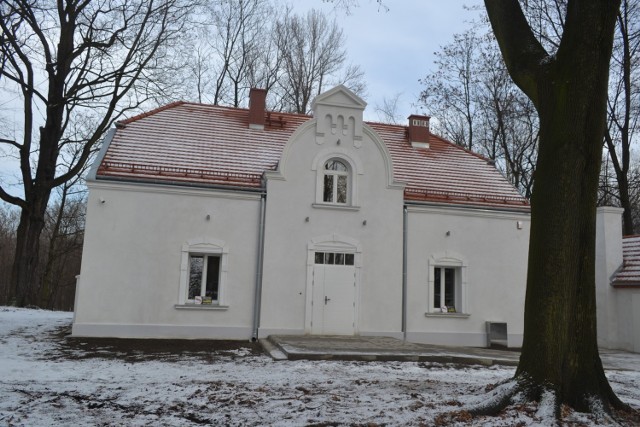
224, 223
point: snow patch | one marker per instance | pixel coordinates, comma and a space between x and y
547, 406
46, 381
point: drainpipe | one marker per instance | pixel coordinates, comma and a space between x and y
405, 226
258, 293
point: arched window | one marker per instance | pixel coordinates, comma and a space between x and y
336, 182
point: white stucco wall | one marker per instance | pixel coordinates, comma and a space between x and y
608, 260
295, 219
494, 251
130, 276
626, 328
618, 308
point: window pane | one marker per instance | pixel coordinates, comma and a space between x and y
339, 259
213, 273
335, 165
342, 189
195, 276
449, 287
328, 188
329, 258
436, 288
319, 257
348, 259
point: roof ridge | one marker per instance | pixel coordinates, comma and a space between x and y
202, 104
150, 112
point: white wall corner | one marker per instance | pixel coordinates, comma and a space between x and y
608, 241
608, 261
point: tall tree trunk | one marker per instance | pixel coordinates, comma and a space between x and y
569, 90
560, 347
25, 263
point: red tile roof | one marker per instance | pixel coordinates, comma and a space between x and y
629, 274
206, 144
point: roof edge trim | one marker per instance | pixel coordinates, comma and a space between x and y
106, 142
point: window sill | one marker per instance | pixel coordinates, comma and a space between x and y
201, 307
336, 206
453, 315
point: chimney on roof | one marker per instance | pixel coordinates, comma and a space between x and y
257, 106
419, 131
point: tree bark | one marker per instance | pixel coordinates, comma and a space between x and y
26, 257
569, 90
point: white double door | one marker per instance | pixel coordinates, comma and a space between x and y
334, 299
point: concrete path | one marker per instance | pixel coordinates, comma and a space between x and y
297, 347
289, 347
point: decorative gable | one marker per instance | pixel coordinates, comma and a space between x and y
338, 114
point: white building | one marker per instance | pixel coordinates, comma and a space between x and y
215, 222
617, 283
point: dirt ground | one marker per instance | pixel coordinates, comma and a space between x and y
49, 378
138, 350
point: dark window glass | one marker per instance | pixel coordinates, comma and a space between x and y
436, 288
319, 257
449, 286
329, 258
348, 259
213, 275
342, 189
196, 264
339, 259
328, 188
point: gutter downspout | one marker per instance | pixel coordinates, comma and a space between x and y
258, 290
405, 226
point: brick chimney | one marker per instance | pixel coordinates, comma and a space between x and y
257, 105
419, 131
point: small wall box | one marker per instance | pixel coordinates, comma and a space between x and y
497, 334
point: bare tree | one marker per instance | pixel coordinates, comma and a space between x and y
9, 217
62, 240
476, 105
388, 110
78, 60
624, 104
234, 50
312, 54
450, 91
559, 363
547, 18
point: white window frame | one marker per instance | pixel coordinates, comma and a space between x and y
204, 247
335, 177
459, 265
355, 169
443, 289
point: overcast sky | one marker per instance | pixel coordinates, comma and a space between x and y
395, 48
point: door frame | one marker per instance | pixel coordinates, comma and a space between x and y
332, 243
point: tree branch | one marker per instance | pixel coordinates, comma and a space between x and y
522, 52
12, 199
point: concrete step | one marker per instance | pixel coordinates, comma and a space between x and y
272, 349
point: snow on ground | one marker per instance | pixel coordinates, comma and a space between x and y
49, 380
